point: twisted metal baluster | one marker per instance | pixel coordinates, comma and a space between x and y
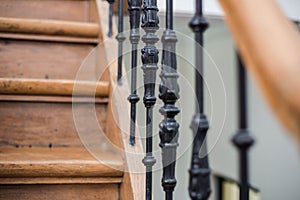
150, 59
199, 185
110, 17
243, 140
169, 93
134, 8
121, 38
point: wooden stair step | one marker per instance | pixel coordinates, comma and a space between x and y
53, 87
65, 39
46, 60
58, 162
68, 10
42, 123
49, 27
60, 192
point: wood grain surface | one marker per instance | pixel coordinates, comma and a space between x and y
67, 10
60, 192
49, 27
58, 162
53, 87
45, 60
39, 124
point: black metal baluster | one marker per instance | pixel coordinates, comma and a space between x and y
169, 93
134, 8
243, 140
150, 59
199, 185
121, 38
110, 17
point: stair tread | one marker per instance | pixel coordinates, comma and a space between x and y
53, 87
59, 162
49, 27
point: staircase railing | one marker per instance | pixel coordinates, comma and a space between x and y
150, 59
199, 180
169, 94
242, 140
199, 186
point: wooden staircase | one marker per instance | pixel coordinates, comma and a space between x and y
43, 46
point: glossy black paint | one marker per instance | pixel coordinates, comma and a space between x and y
150, 23
169, 94
110, 17
199, 183
134, 8
121, 38
243, 140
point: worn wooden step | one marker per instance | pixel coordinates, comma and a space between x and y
36, 122
49, 27
58, 162
68, 10
53, 87
60, 192
59, 173
44, 60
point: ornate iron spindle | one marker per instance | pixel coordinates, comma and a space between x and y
169, 93
150, 59
134, 8
243, 140
121, 38
110, 17
199, 185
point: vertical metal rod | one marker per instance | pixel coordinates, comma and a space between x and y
199, 185
149, 57
242, 96
242, 139
169, 94
110, 17
134, 8
121, 38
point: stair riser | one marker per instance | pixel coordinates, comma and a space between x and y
60, 192
44, 60
68, 10
36, 124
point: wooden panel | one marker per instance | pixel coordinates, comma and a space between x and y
46, 9
58, 162
59, 192
41, 124
47, 60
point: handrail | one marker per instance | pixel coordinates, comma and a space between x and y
49, 27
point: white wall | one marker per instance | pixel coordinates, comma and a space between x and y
212, 7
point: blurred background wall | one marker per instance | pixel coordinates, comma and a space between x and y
275, 158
